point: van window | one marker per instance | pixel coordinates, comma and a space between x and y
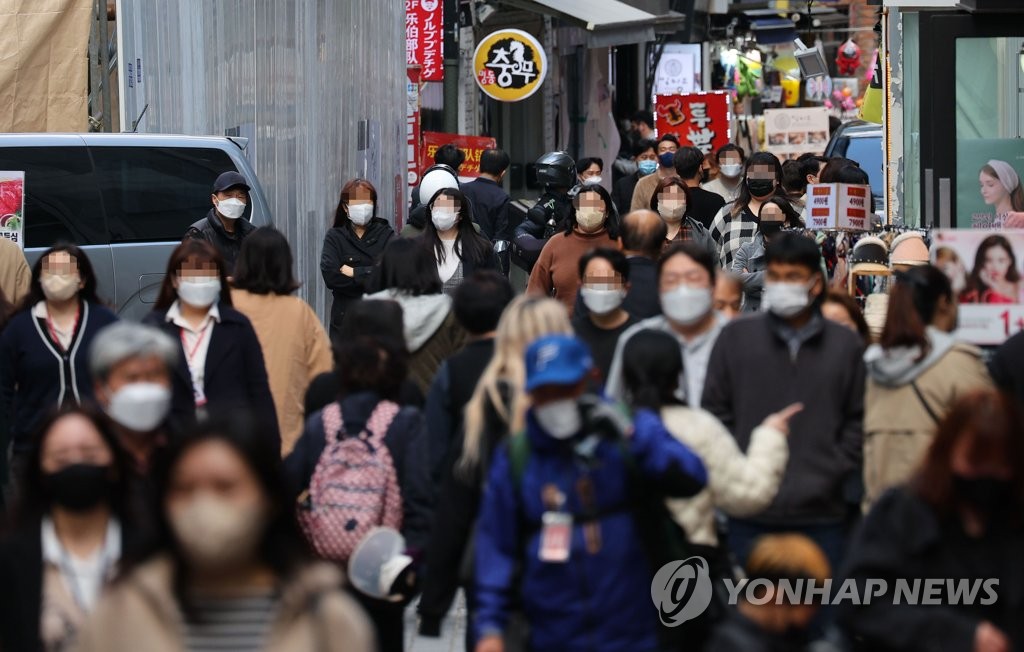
868, 152
153, 194
61, 200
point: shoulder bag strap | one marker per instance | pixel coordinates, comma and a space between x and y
334, 423
924, 403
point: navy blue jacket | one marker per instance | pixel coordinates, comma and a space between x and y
236, 377
490, 205
36, 376
594, 602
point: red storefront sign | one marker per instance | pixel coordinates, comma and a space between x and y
424, 37
700, 120
473, 146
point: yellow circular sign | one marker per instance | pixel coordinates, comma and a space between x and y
510, 65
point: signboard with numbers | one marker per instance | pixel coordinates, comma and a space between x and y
510, 65
424, 37
987, 274
12, 206
843, 206
472, 146
699, 120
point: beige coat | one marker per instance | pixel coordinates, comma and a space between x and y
898, 429
140, 612
15, 275
295, 350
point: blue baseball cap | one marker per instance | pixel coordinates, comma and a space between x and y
556, 360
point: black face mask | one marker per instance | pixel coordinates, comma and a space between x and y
760, 187
705, 176
79, 487
988, 495
770, 229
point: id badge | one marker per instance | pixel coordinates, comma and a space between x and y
555, 537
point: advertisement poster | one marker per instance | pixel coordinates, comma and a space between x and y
699, 120
792, 132
987, 273
988, 189
473, 146
12, 206
510, 65
424, 37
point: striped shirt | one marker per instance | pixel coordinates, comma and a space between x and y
235, 624
731, 233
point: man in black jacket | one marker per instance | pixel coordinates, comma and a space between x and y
788, 355
222, 226
704, 205
646, 157
490, 201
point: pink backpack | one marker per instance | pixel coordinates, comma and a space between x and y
354, 487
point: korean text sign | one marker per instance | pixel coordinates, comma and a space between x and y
472, 146
699, 120
424, 37
510, 65
12, 206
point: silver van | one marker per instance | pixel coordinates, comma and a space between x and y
126, 199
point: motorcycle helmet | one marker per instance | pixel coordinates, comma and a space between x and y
556, 169
437, 177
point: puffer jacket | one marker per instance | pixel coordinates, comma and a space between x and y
898, 428
141, 612
740, 485
750, 264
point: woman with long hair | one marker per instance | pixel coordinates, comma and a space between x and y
228, 568
672, 202
72, 526
44, 348
593, 223
915, 372
961, 518
453, 240
496, 411
295, 346
995, 277
353, 247
736, 224
221, 365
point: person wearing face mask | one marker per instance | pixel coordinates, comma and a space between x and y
645, 156
666, 147
589, 170
228, 568
44, 349
604, 284
915, 372
221, 362
691, 166
959, 516
731, 159
686, 278
594, 223
792, 354
672, 200
352, 247
750, 261
556, 172
69, 533
454, 241
736, 224
223, 227
556, 524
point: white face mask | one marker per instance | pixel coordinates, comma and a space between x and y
732, 170
443, 218
201, 292
215, 533
602, 302
672, 210
140, 406
592, 181
559, 419
590, 220
60, 287
686, 305
787, 300
231, 208
360, 214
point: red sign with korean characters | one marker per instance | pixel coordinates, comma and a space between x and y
424, 38
700, 120
472, 146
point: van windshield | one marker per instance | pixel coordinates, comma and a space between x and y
868, 152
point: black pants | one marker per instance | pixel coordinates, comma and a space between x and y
388, 620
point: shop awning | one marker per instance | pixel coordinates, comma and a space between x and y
607, 23
773, 31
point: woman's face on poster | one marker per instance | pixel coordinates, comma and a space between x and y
997, 263
992, 190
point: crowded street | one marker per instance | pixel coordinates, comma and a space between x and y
587, 326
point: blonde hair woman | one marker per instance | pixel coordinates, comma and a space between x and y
497, 409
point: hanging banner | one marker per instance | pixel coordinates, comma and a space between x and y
987, 275
12, 206
793, 132
424, 37
412, 130
472, 146
510, 65
699, 120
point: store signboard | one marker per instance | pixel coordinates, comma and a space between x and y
989, 192
510, 65
679, 69
412, 130
472, 146
842, 206
424, 37
12, 206
793, 132
700, 120
986, 270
